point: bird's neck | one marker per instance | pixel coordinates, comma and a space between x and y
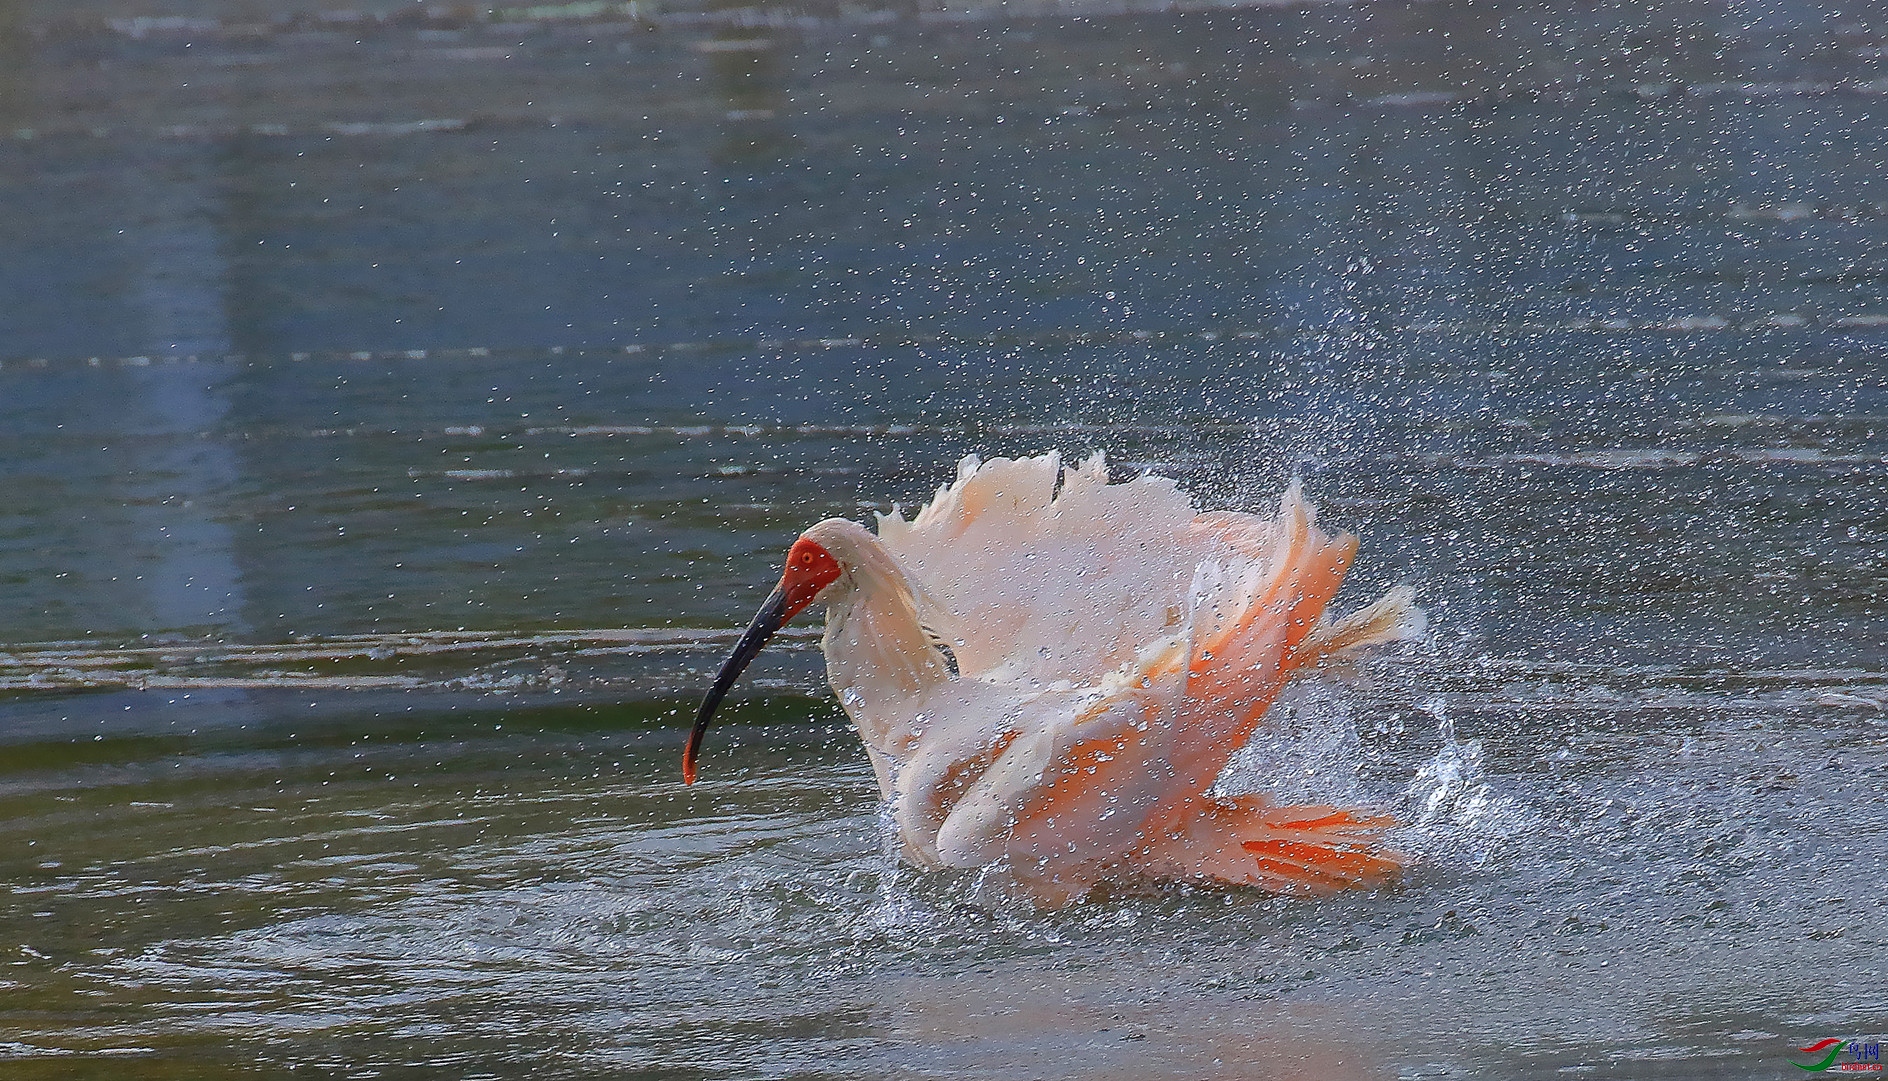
879, 659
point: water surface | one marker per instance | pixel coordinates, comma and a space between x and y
401, 409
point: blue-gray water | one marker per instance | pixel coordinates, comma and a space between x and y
401, 407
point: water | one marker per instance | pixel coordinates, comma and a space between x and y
400, 410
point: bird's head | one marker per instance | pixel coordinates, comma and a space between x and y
819, 561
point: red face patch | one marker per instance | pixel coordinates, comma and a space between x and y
810, 568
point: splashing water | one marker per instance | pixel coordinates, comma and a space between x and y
1452, 813
1307, 750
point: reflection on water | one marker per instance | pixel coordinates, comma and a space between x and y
16, 67
174, 490
745, 69
414, 400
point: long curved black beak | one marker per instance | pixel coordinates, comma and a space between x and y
766, 622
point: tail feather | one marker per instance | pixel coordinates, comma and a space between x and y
1393, 617
1304, 849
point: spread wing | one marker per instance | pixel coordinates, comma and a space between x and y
1036, 574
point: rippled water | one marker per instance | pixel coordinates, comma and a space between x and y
401, 410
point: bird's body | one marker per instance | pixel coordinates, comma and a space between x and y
1050, 671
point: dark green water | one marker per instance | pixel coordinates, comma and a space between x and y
401, 409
